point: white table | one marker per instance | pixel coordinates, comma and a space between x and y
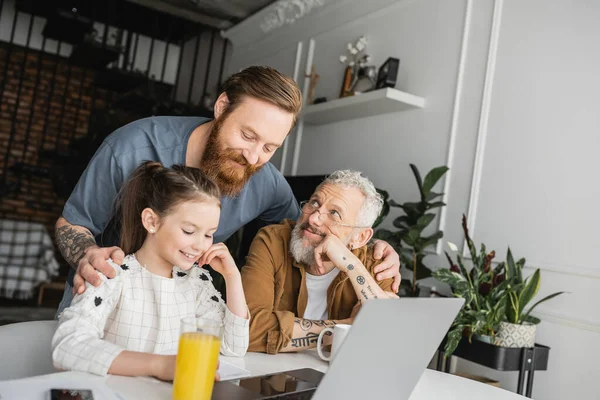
432, 385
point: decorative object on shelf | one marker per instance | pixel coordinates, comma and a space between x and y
314, 80
346, 82
364, 79
363, 75
388, 73
286, 12
407, 241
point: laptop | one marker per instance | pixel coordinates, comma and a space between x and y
383, 356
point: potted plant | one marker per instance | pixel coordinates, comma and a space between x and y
495, 298
408, 240
520, 326
483, 289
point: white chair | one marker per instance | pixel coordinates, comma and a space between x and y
25, 349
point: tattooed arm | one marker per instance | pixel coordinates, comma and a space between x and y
365, 286
333, 251
78, 247
306, 332
72, 241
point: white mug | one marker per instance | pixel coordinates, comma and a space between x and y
339, 334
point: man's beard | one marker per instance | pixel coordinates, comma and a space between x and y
303, 251
230, 178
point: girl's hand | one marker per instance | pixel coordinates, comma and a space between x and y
219, 258
164, 368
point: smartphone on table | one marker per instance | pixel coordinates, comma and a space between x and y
71, 394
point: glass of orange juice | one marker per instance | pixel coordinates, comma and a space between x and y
197, 358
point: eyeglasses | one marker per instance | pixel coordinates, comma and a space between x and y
331, 217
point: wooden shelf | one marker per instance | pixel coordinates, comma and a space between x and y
381, 101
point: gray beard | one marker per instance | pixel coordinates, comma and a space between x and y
304, 254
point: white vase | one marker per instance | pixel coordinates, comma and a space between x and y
515, 335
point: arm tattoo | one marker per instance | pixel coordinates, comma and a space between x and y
360, 279
324, 324
362, 291
371, 291
350, 267
72, 243
310, 338
305, 324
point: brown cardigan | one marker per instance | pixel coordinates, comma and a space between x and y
275, 288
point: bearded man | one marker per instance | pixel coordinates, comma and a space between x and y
301, 277
253, 116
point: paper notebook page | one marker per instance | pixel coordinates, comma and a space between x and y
229, 371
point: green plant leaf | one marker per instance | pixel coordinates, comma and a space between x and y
402, 222
412, 236
431, 239
384, 194
425, 220
435, 205
383, 234
499, 268
448, 277
432, 178
394, 204
551, 296
385, 210
511, 268
406, 258
530, 289
462, 267
531, 319
417, 175
453, 338
512, 310
520, 264
413, 210
472, 251
433, 195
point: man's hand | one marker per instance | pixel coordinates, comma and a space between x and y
331, 251
390, 266
94, 261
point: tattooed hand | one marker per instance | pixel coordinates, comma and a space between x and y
78, 247
333, 251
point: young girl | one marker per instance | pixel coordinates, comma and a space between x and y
130, 324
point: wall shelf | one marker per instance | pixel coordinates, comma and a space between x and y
368, 104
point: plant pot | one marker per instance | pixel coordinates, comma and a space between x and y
484, 338
515, 335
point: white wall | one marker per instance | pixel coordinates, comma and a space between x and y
511, 91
